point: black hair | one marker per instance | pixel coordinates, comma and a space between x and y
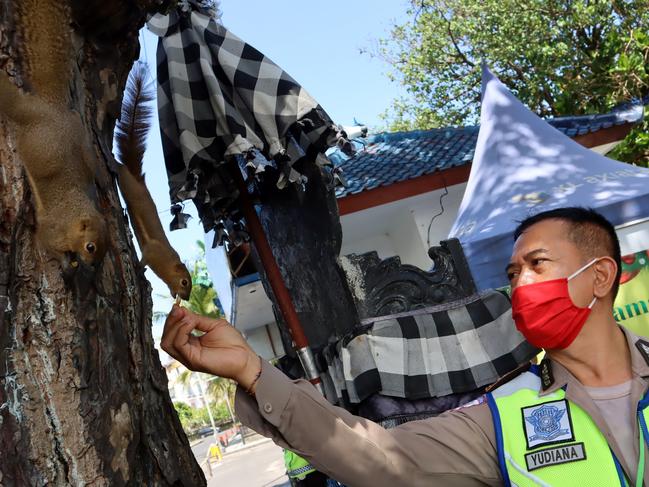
589, 230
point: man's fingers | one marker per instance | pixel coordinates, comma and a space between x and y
174, 318
175, 315
171, 352
205, 324
179, 341
183, 333
185, 345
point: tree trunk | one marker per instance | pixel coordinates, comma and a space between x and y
83, 397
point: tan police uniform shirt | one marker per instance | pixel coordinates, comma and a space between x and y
614, 404
457, 448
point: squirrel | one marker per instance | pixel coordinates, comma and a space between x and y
130, 136
51, 138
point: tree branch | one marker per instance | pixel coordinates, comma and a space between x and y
461, 54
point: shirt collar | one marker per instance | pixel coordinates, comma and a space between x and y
639, 347
555, 376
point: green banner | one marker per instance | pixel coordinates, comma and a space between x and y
631, 308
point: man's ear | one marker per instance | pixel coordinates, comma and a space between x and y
605, 275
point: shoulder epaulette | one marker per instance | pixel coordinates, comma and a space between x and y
509, 376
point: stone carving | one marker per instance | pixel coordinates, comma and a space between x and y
385, 287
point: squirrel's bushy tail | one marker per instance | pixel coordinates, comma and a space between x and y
130, 140
135, 122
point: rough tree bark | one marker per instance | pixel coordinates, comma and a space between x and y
83, 397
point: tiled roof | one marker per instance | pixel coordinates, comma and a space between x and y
388, 158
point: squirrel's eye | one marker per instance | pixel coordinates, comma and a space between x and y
90, 247
184, 282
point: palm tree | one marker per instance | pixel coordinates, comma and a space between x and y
185, 378
222, 389
218, 388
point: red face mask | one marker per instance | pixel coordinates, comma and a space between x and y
545, 314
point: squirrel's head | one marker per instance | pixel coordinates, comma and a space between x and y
180, 283
90, 239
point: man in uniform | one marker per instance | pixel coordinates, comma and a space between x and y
577, 419
301, 473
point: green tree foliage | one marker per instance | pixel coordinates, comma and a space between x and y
184, 410
560, 57
192, 419
222, 391
203, 296
219, 392
220, 412
186, 414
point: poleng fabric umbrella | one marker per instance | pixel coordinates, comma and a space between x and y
220, 99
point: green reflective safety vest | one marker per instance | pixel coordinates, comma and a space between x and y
551, 441
296, 466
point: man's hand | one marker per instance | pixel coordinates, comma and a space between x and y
221, 350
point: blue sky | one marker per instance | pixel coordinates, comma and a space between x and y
317, 43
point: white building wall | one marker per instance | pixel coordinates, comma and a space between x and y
407, 241
427, 206
182, 392
261, 344
382, 243
400, 228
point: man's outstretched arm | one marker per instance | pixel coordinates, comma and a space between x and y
454, 449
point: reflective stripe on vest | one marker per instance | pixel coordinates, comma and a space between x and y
296, 466
550, 441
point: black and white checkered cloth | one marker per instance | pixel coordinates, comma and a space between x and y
221, 99
447, 349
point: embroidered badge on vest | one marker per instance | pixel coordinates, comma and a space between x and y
643, 346
547, 424
555, 456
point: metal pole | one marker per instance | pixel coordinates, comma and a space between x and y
276, 281
207, 406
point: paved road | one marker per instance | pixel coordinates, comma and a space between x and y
200, 449
261, 465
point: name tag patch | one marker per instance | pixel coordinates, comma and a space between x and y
547, 424
555, 456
